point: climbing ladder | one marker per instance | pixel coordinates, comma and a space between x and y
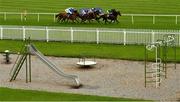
21, 59
154, 71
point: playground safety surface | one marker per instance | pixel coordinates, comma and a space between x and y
110, 77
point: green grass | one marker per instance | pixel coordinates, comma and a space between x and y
7, 94
125, 6
129, 52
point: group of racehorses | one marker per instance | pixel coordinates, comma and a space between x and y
89, 17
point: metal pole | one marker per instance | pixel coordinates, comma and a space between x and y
175, 59
26, 69
29, 67
159, 65
176, 20
156, 66
165, 59
145, 66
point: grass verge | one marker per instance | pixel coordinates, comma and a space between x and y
8, 94
62, 49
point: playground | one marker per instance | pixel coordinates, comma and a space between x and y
135, 59
118, 78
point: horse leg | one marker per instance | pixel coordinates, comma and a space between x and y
83, 21
58, 19
89, 20
117, 21
97, 19
105, 21
77, 21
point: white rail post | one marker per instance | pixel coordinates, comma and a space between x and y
124, 37
72, 36
24, 33
1, 33
47, 34
153, 19
54, 17
176, 20
21, 17
97, 36
38, 17
132, 19
5, 16
152, 37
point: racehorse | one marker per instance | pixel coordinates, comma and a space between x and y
112, 17
62, 17
89, 17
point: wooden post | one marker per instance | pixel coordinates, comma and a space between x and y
21, 17
97, 36
132, 17
47, 34
1, 33
152, 37
176, 20
54, 17
24, 33
153, 19
72, 35
38, 17
124, 37
5, 16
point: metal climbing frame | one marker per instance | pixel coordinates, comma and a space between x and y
157, 70
154, 71
169, 42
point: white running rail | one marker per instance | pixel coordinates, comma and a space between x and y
21, 14
81, 34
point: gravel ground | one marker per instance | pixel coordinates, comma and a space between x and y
117, 78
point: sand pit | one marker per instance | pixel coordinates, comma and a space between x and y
117, 78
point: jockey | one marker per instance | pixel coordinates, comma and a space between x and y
110, 11
98, 10
69, 11
90, 10
84, 11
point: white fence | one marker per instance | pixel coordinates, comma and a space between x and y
54, 19
95, 35
21, 15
